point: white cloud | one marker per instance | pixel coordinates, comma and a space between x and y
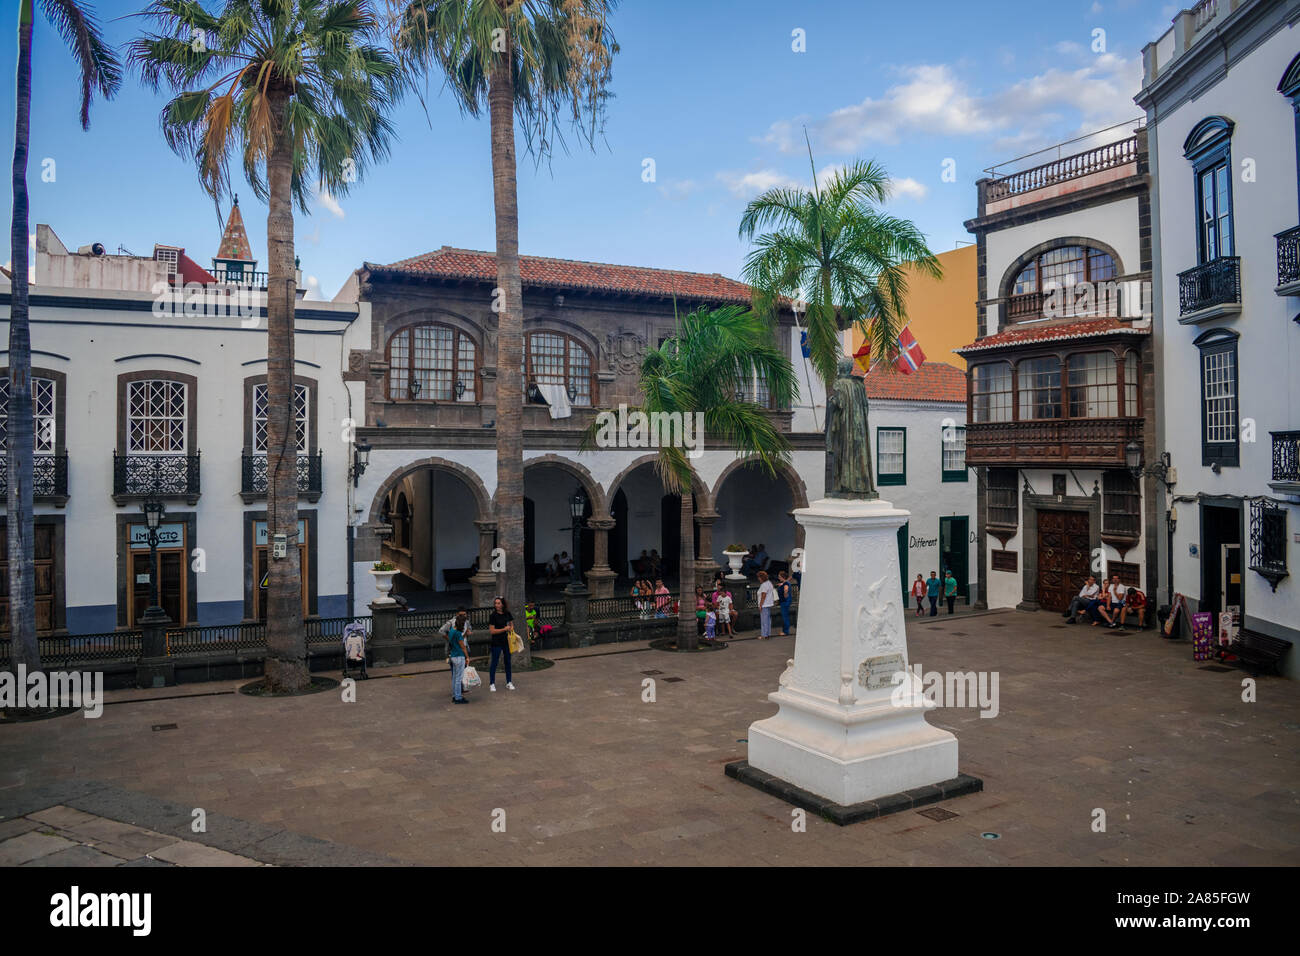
909, 188
313, 288
748, 185
324, 197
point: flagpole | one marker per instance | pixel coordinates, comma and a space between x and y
812, 402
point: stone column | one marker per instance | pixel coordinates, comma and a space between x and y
385, 646
484, 583
600, 579
705, 565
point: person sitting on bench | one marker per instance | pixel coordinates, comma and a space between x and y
1086, 596
1135, 603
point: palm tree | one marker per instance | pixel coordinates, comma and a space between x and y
707, 368
302, 90
100, 71
524, 60
838, 251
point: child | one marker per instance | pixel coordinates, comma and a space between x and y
710, 623
724, 612
530, 619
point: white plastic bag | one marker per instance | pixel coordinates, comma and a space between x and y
471, 678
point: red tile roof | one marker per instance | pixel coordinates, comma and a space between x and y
1025, 334
541, 272
932, 382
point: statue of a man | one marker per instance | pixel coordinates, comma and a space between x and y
848, 441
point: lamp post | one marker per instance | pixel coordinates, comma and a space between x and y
153, 509
577, 506
360, 459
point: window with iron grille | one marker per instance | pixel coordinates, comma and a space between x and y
953, 453
1268, 540
156, 417
1040, 388
1121, 504
1219, 437
553, 358
301, 419
991, 392
1003, 498
433, 363
891, 456
43, 414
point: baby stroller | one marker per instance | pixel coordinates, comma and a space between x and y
355, 639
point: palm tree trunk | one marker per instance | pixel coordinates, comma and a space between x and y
688, 638
286, 649
510, 338
18, 518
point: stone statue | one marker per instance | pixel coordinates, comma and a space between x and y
848, 442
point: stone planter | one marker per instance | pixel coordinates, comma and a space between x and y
734, 558
384, 584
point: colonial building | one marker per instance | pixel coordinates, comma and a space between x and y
1060, 375
918, 431
149, 380
425, 382
1221, 89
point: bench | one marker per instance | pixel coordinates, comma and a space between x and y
452, 576
1257, 650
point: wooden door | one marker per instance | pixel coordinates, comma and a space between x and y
1063, 557
172, 585
43, 573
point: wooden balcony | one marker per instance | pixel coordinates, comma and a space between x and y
1097, 442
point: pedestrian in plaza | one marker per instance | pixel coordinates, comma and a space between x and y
458, 655
918, 592
663, 598
710, 623
500, 623
950, 590
932, 588
1079, 603
445, 630
727, 613
784, 595
766, 597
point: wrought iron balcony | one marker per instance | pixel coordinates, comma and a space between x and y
1217, 282
167, 476
1286, 456
1288, 257
1062, 441
254, 477
49, 478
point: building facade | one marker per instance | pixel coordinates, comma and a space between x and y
1061, 374
1221, 90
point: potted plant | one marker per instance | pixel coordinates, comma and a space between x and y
735, 553
384, 571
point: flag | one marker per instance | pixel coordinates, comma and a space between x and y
863, 357
910, 355
803, 345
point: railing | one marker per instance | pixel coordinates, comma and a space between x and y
1286, 456
1217, 282
329, 630
1062, 170
1098, 441
221, 637
49, 476
255, 280
1204, 12
140, 475
254, 478
1027, 306
629, 608
70, 649
550, 612
1288, 256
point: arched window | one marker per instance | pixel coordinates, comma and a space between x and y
1063, 282
1040, 388
433, 363
553, 358
991, 392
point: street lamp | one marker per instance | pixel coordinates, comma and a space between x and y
360, 459
577, 507
153, 509
1162, 470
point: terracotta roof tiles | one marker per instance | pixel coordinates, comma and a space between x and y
931, 382
1025, 334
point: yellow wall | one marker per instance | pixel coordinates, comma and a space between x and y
942, 312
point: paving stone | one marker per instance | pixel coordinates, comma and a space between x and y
30, 846
63, 817
77, 856
185, 853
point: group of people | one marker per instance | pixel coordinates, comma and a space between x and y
650, 564
652, 597
457, 631
1113, 604
715, 611
781, 594
559, 567
932, 590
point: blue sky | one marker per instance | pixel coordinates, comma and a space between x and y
711, 90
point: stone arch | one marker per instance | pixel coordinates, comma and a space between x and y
798, 489
1013, 270
590, 485
703, 497
469, 477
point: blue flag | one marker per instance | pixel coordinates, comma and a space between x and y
803, 344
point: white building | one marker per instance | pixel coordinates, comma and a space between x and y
135, 381
1061, 374
1221, 91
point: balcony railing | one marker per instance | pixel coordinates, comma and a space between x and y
168, 476
1286, 456
1080, 441
1217, 282
254, 478
49, 476
1288, 256
1062, 170
1027, 306
255, 280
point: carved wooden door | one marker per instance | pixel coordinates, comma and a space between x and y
1063, 557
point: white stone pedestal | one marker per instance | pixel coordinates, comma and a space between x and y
837, 734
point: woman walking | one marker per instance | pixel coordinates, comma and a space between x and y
918, 592
500, 623
457, 655
784, 594
766, 594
